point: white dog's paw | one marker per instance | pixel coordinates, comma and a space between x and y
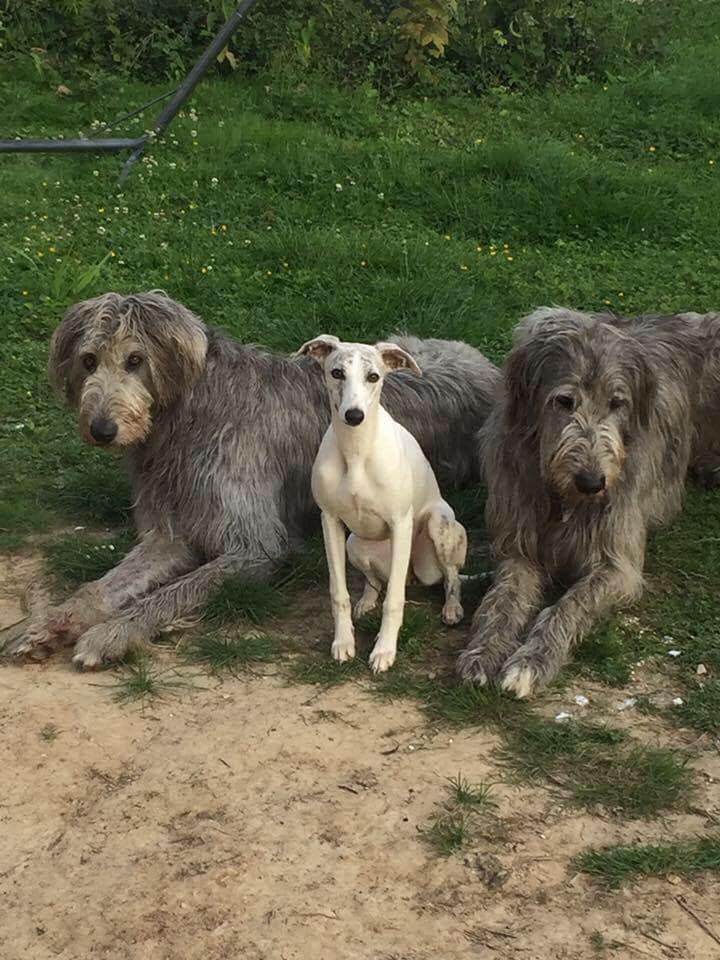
452, 612
343, 649
382, 658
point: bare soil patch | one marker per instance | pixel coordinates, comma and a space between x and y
256, 819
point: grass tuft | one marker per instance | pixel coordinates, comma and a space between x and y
413, 638
450, 832
466, 705
465, 794
613, 866
49, 732
324, 671
596, 767
141, 679
701, 709
81, 557
218, 652
238, 599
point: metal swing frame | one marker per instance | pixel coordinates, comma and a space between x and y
137, 145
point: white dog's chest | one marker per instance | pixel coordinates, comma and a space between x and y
361, 517
353, 497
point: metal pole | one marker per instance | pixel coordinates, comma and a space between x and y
70, 146
163, 120
166, 116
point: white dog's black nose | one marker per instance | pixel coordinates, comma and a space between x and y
589, 483
354, 416
103, 431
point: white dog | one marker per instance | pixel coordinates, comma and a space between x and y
371, 476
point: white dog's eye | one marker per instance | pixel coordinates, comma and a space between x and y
373, 377
337, 373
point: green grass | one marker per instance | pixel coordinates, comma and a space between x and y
614, 866
80, 557
450, 832
701, 708
598, 944
218, 652
466, 816
278, 206
242, 599
49, 732
599, 767
465, 794
416, 632
323, 671
142, 679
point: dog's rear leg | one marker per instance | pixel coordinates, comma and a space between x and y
153, 562
170, 605
501, 619
372, 559
449, 545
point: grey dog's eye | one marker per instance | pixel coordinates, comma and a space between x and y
373, 377
337, 373
133, 361
89, 361
564, 401
617, 402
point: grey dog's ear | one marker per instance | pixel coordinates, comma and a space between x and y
62, 349
320, 347
395, 358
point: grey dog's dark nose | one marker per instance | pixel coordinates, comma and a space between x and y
354, 416
103, 431
589, 482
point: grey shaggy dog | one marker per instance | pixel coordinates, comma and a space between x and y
220, 440
599, 421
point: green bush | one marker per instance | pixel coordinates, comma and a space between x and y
520, 42
386, 43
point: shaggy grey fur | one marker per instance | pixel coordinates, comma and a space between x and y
600, 419
220, 440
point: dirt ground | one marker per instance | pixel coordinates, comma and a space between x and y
256, 820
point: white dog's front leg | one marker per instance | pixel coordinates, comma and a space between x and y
383, 653
343, 647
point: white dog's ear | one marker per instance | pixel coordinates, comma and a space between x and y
320, 347
395, 358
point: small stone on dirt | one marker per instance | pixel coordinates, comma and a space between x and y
489, 869
627, 703
701, 670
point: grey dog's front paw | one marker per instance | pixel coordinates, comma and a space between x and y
107, 642
471, 668
481, 664
34, 638
530, 669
